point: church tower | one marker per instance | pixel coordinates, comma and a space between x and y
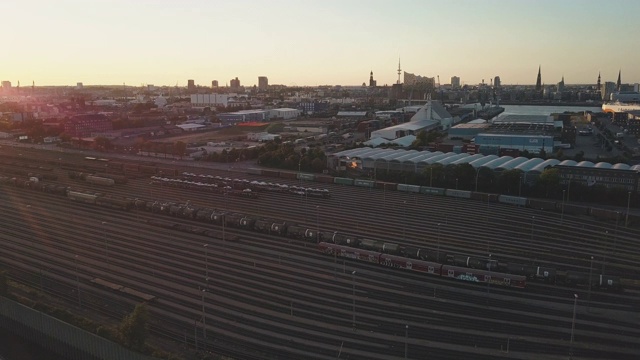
619, 83
598, 86
539, 80
372, 83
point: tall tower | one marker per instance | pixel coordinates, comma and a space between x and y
619, 83
598, 86
399, 71
372, 82
539, 80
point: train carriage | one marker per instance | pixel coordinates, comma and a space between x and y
483, 276
349, 252
410, 264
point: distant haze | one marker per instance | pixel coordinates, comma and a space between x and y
319, 42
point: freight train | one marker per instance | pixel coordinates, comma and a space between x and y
347, 246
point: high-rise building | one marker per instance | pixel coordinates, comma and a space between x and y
455, 82
263, 83
191, 85
6, 85
79, 86
607, 89
234, 84
561, 85
496, 81
214, 84
539, 80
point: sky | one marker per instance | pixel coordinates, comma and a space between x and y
316, 42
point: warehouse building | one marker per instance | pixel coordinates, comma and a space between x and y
209, 100
284, 113
244, 116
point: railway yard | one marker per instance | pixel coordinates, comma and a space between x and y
263, 295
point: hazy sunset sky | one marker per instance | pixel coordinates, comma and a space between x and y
298, 42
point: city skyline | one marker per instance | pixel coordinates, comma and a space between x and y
163, 43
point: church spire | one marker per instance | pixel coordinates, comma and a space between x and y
539, 79
598, 81
619, 83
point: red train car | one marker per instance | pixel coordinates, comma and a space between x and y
410, 264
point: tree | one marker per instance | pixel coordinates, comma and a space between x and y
549, 181
103, 143
133, 328
181, 148
4, 286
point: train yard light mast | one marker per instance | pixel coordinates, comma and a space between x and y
626, 220
590, 282
204, 321
573, 325
106, 244
406, 341
75, 260
206, 261
353, 286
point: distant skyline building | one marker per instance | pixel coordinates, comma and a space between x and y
6, 85
496, 81
560, 85
214, 83
619, 83
372, 83
607, 89
417, 80
539, 79
79, 86
234, 84
598, 84
263, 83
191, 85
455, 82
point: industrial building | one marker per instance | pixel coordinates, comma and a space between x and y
468, 130
370, 159
532, 133
209, 100
284, 113
87, 124
244, 116
429, 117
262, 136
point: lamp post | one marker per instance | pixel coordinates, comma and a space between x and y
573, 325
317, 223
353, 285
590, 281
206, 261
75, 260
626, 220
204, 321
431, 177
438, 246
604, 253
106, 245
406, 339
404, 227
562, 213
477, 174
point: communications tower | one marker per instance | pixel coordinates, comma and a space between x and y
399, 71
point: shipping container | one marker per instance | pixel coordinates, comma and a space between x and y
484, 197
325, 179
458, 193
364, 183
343, 181
432, 190
100, 181
409, 188
383, 185
513, 200
306, 177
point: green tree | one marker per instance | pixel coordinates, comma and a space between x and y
133, 328
102, 143
549, 182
